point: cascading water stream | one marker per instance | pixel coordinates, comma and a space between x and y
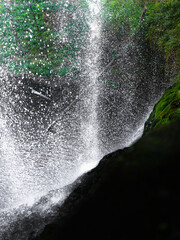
91, 120
90, 126
33, 168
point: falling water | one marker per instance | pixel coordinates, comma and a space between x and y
33, 166
92, 67
43, 150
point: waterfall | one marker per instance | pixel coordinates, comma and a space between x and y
46, 145
92, 60
39, 163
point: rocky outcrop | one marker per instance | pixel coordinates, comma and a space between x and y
133, 193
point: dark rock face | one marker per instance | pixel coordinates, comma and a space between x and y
128, 87
30, 103
133, 193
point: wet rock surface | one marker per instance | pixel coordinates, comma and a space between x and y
133, 193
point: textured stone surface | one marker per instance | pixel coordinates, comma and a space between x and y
133, 193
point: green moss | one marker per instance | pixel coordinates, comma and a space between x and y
167, 109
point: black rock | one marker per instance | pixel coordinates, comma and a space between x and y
133, 193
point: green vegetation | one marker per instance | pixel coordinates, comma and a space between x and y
32, 39
35, 38
162, 22
166, 110
159, 21
122, 14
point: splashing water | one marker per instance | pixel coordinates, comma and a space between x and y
32, 166
90, 121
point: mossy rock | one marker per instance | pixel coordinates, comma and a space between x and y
166, 110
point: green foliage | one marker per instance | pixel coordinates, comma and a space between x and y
32, 39
122, 14
158, 20
162, 24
